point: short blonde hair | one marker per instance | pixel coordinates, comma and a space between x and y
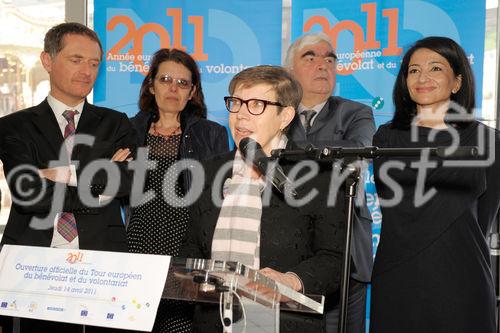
288, 90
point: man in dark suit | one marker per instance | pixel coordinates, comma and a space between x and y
326, 120
46, 162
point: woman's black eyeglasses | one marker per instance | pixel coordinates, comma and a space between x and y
254, 105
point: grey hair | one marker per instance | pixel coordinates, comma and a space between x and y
304, 40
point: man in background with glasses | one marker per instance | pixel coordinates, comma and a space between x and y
326, 120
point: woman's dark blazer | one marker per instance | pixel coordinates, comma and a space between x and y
201, 138
306, 240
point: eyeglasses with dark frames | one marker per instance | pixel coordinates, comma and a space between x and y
255, 106
166, 79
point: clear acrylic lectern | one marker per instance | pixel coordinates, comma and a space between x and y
248, 301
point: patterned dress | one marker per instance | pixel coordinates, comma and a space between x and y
158, 225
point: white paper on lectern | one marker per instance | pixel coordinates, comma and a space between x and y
111, 289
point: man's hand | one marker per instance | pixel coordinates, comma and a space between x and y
61, 174
121, 155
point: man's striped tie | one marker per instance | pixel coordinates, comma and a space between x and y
66, 224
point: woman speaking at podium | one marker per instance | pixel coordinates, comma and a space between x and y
432, 268
297, 244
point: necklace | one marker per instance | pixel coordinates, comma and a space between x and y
176, 130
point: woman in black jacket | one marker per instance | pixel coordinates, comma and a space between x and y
432, 269
295, 241
172, 124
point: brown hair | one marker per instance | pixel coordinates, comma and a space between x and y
196, 105
288, 90
53, 41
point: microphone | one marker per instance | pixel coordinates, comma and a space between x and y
252, 152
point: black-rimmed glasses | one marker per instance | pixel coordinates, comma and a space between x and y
254, 105
166, 79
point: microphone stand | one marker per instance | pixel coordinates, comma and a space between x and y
350, 155
351, 184
494, 243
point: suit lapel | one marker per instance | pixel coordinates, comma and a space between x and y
88, 123
89, 120
46, 123
297, 131
323, 117
211, 211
